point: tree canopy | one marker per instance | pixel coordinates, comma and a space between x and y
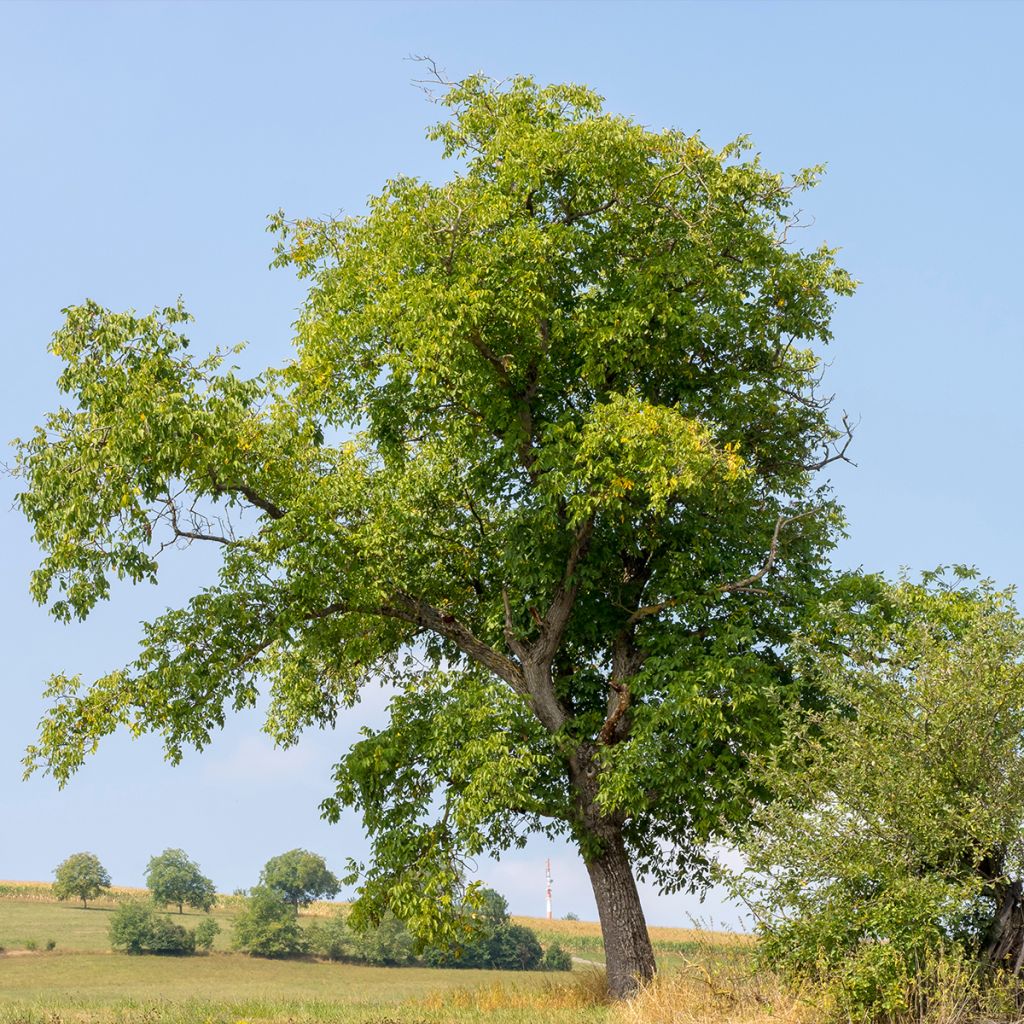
300, 877
173, 878
544, 460
80, 876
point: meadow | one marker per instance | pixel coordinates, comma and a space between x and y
80, 981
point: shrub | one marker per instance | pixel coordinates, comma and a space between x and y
167, 937
491, 940
389, 944
332, 938
267, 926
556, 958
892, 843
205, 932
51, 944
31, 944
137, 928
514, 947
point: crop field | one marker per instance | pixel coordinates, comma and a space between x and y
80, 981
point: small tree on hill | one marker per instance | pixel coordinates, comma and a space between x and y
173, 878
81, 877
300, 877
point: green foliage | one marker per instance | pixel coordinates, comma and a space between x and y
136, 927
300, 877
172, 878
556, 958
386, 944
901, 796
489, 939
82, 877
205, 932
550, 431
332, 938
514, 947
268, 927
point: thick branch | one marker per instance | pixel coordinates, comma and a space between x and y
420, 613
250, 495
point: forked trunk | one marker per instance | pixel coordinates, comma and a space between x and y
629, 957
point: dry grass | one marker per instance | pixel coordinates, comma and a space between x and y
585, 990
718, 985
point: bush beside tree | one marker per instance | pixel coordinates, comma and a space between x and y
136, 927
205, 932
388, 944
267, 927
556, 958
82, 877
490, 939
892, 846
332, 938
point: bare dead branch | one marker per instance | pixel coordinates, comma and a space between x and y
744, 585
836, 452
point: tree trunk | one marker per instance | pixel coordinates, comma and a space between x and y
1004, 946
629, 957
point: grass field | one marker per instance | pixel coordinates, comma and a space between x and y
82, 982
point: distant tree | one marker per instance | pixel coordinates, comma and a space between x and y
300, 877
173, 878
137, 928
81, 877
267, 926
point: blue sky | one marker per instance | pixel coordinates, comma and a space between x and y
143, 145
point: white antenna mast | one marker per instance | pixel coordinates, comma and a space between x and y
548, 878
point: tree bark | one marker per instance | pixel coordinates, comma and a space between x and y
629, 956
1004, 946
